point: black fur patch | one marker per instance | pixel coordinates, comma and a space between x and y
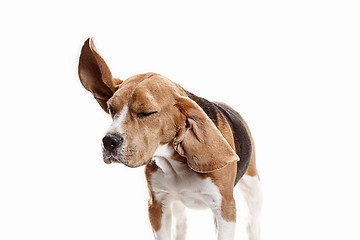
243, 146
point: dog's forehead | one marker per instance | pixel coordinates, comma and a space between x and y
140, 88
120, 98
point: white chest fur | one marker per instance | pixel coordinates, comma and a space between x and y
177, 182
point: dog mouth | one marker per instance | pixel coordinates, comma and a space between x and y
109, 160
123, 156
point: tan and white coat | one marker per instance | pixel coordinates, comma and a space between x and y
194, 151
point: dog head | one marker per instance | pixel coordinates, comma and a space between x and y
149, 110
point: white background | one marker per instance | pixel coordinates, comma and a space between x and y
291, 68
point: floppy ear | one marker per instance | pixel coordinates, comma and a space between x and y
95, 75
199, 141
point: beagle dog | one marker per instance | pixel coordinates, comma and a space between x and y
194, 151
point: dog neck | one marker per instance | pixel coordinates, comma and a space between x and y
168, 160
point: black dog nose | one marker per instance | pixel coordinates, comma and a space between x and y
110, 141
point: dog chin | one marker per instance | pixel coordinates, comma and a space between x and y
131, 164
108, 159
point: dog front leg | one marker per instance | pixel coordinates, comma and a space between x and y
178, 212
160, 219
225, 219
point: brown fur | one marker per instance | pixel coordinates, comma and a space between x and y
252, 170
155, 209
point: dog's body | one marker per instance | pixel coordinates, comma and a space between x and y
195, 151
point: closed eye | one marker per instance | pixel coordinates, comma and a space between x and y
144, 114
111, 111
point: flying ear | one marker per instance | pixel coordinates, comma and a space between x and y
199, 141
95, 75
